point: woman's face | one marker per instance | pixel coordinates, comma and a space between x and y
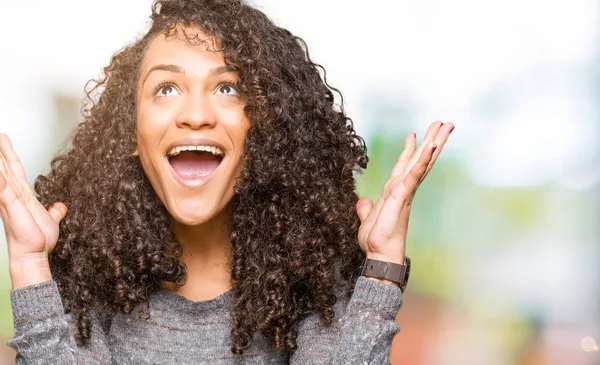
187, 99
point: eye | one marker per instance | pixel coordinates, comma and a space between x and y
227, 89
166, 89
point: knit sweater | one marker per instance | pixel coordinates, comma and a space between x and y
181, 331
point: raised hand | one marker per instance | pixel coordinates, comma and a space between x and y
31, 230
383, 229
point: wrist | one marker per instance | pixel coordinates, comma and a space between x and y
396, 259
29, 271
387, 272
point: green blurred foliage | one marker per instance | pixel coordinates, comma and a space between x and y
6, 321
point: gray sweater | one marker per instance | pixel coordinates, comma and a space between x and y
181, 331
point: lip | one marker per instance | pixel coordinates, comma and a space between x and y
193, 183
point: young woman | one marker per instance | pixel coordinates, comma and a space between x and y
206, 211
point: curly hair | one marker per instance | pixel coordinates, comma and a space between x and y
294, 224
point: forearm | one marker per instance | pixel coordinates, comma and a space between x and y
43, 333
368, 325
362, 330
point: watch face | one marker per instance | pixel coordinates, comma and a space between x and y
407, 274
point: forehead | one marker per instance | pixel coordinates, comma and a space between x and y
187, 47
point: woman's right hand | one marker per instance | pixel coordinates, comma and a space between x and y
31, 230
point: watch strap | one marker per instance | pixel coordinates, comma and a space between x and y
397, 273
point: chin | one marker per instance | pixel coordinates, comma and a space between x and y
191, 218
195, 214
188, 220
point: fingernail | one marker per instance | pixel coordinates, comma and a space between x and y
452, 129
434, 148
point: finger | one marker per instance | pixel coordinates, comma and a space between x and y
417, 173
3, 185
432, 131
441, 137
410, 143
3, 182
7, 194
416, 155
440, 140
409, 148
372, 216
3, 166
429, 137
363, 208
58, 211
10, 156
15, 215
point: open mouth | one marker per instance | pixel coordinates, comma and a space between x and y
193, 165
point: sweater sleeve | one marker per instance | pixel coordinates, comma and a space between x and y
44, 334
362, 330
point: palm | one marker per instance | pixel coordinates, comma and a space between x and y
30, 228
383, 230
40, 222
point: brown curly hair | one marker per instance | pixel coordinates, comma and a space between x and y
294, 224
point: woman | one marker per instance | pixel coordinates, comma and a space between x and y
206, 211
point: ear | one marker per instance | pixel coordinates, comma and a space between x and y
135, 153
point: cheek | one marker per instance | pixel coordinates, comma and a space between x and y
151, 125
237, 126
149, 132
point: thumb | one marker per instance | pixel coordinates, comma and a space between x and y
363, 208
58, 211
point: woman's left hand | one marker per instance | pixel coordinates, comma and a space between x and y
383, 229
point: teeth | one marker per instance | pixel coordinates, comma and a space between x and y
212, 149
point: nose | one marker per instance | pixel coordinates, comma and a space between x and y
197, 111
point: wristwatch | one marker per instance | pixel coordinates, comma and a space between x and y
388, 270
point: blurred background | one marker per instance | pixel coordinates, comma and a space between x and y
504, 233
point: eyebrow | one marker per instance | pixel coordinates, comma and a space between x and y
216, 71
223, 69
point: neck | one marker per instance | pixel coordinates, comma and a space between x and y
207, 256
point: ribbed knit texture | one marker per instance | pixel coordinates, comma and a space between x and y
181, 331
